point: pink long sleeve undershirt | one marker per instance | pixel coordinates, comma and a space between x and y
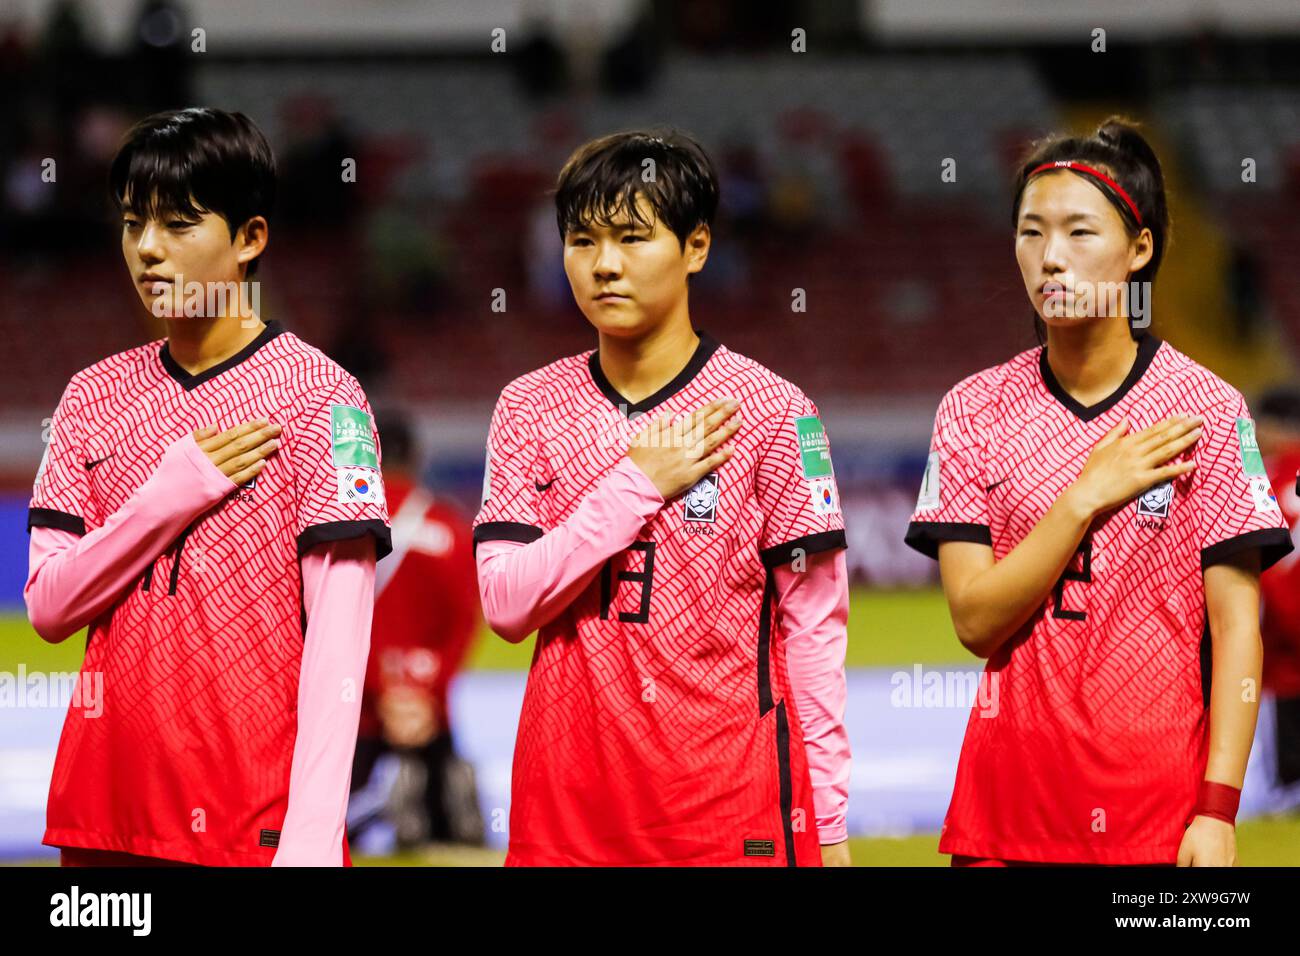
812, 609
338, 587
523, 586
74, 579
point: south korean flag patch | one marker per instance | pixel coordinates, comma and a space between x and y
928, 499
1265, 500
359, 486
825, 496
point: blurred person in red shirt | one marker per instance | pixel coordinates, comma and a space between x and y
426, 616
1278, 431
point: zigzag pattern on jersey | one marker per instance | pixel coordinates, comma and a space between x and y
200, 685
666, 765
1116, 695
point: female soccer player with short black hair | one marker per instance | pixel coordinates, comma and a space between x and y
211, 506
686, 577
1100, 515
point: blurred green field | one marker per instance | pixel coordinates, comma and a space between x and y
886, 628
1271, 841
1263, 842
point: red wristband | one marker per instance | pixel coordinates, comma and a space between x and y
1218, 801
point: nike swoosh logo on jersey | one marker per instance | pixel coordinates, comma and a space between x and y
995, 484
542, 487
98, 461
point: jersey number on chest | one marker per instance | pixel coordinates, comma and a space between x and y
1083, 575
178, 547
643, 578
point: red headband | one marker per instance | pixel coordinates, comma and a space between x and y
1098, 174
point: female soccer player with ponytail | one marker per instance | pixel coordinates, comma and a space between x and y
1101, 516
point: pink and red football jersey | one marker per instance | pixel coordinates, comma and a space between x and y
657, 723
1094, 738
189, 756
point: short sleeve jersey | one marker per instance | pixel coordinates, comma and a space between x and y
181, 743
1090, 738
657, 725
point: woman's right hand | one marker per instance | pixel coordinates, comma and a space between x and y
675, 455
1123, 466
240, 452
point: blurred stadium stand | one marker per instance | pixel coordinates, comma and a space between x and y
837, 164
831, 189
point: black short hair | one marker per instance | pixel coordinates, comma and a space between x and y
193, 161
600, 182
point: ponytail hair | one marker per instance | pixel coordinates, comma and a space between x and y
1118, 149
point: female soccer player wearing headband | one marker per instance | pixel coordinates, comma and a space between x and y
1100, 514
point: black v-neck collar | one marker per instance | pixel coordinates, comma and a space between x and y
1148, 345
703, 352
189, 382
